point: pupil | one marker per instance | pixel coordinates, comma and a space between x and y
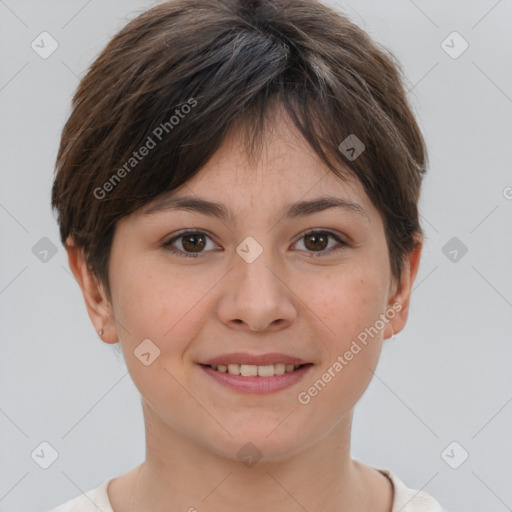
316, 237
192, 239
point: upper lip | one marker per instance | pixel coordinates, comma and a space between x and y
257, 360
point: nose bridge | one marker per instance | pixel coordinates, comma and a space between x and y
254, 279
256, 296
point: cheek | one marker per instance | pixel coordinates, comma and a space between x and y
347, 300
349, 304
351, 354
155, 301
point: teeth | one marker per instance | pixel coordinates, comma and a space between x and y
234, 369
265, 371
251, 370
279, 369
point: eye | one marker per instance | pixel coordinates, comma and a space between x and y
318, 241
194, 241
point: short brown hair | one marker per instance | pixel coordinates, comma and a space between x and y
227, 62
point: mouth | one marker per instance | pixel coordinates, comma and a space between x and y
245, 373
252, 370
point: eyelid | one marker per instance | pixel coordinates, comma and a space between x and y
187, 231
332, 232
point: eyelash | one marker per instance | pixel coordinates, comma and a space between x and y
342, 244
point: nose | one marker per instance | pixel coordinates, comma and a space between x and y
257, 297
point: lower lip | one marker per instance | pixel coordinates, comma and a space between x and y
258, 384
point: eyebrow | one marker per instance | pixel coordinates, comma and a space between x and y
291, 211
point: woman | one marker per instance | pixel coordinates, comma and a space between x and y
237, 191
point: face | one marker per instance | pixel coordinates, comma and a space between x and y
267, 286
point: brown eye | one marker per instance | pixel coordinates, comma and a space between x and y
316, 241
194, 242
189, 244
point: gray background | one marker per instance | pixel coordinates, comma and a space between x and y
447, 377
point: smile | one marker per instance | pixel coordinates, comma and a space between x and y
251, 370
259, 379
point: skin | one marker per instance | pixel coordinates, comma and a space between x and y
286, 301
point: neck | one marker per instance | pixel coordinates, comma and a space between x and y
179, 474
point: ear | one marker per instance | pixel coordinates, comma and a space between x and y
98, 306
400, 300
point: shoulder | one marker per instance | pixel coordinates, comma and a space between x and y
94, 500
410, 500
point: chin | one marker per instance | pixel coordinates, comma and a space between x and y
263, 443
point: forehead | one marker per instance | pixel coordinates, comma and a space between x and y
283, 169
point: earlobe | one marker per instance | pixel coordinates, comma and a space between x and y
98, 306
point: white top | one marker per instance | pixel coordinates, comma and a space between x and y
405, 499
